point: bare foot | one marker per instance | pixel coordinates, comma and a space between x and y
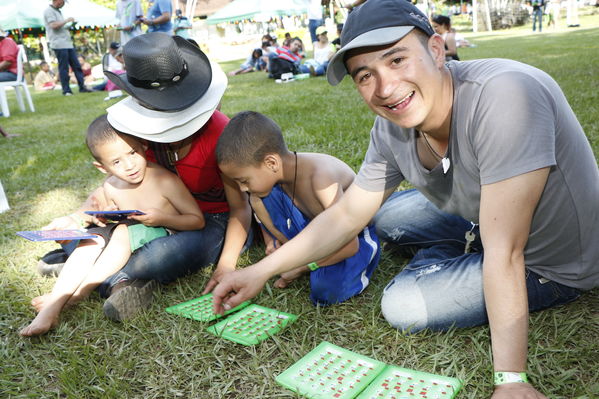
44, 322
39, 301
289, 277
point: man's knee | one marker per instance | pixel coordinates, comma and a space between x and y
404, 307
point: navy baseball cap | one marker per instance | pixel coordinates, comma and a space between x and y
376, 23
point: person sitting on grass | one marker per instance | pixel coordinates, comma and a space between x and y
442, 25
45, 78
287, 190
323, 52
253, 62
503, 218
132, 183
283, 60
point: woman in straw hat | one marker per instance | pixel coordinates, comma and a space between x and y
175, 93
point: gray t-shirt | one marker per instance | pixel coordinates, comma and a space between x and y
127, 12
57, 38
508, 118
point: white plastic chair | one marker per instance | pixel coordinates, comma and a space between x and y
20, 83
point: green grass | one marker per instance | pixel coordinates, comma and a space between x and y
47, 171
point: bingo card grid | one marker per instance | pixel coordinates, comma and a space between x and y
200, 309
329, 371
401, 383
252, 325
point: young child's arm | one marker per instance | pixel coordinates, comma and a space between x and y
78, 219
190, 217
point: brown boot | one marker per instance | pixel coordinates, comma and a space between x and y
128, 298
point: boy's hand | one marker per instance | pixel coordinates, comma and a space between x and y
152, 217
217, 276
62, 223
517, 390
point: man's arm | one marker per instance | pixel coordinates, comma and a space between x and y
325, 234
506, 212
60, 24
164, 17
4, 65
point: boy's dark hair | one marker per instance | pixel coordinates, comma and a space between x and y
98, 133
442, 20
248, 138
43, 63
257, 53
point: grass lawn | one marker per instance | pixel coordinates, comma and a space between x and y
47, 171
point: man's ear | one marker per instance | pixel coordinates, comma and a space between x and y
436, 46
99, 166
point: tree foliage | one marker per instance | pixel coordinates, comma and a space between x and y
106, 3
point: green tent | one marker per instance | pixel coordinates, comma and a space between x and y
239, 10
23, 14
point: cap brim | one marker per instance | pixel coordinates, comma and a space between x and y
178, 96
129, 116
336, 70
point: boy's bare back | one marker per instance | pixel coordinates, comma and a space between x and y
321, 180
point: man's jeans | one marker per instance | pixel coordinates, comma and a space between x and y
442, 286
537, 17
166, 259
312, 25
7, 76
68, 57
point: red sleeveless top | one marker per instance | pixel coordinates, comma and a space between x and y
198, 169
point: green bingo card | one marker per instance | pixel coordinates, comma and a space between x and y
329, 371
200, 309
399, 383
252, 325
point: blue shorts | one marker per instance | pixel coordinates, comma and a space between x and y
334, 283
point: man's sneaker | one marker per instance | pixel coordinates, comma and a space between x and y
85, 90
51, 264
128, 298
68, 93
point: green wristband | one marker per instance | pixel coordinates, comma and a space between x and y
507, 377
313, 266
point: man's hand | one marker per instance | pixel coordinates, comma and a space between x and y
516, 390
217, 276
237, 287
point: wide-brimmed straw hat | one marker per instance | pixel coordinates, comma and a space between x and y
165, 73
129, 116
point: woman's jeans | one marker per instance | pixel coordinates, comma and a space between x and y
166, 259
319, 69
442, 285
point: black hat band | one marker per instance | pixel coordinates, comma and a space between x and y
160, 83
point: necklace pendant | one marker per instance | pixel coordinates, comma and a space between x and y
288, 223
172, 157
446, 164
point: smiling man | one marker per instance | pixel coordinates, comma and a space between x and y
504, 217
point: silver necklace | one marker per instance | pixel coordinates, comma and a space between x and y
445, 162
